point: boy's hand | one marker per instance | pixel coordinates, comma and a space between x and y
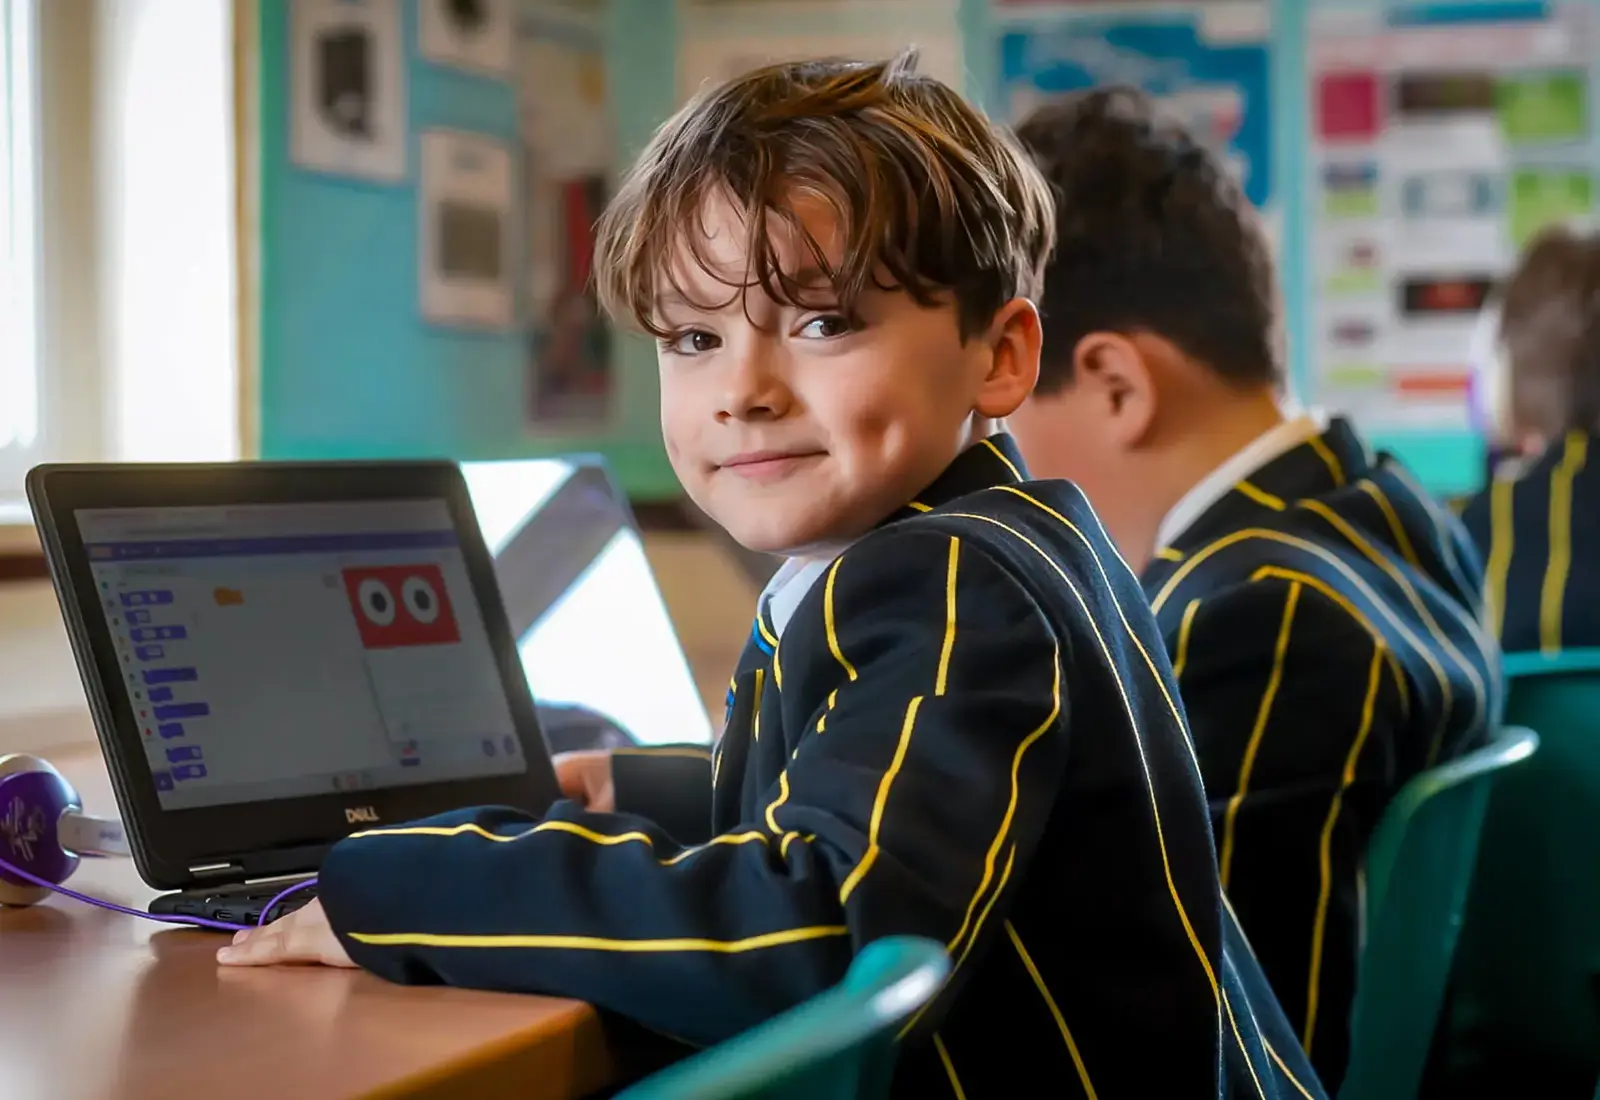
585, 777
304, 936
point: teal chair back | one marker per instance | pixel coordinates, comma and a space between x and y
1530, 947
838, 1045
1419, 869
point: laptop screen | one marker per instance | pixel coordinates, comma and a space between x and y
602, 657
281, 650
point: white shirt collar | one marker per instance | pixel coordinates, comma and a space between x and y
790, 584
1270, 444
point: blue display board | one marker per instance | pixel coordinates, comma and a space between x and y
1219, 86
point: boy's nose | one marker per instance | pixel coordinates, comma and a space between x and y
754, 390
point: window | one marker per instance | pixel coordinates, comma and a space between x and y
19, 248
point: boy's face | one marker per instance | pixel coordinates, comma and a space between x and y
794, 426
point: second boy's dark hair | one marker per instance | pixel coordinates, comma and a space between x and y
1152, 235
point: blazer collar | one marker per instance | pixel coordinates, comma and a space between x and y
1316, 467
985, 464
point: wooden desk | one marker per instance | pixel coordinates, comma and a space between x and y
100, 1006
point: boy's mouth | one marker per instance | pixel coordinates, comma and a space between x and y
767, 465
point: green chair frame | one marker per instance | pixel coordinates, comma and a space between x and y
839, 1045
1419, 869
1530, 945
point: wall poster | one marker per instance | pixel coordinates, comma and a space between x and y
567, 163
1207, 64
1437, 148
347, 88
466, 205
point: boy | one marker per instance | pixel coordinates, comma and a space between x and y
953, 717
1539, 530
1318, 610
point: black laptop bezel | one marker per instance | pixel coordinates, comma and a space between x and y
182, 849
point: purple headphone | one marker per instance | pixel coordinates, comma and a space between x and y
44, 833
43, 829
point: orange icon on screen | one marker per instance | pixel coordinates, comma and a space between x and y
227, 597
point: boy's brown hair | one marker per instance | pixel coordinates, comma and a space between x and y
1153, 236
930, 196
1550, 326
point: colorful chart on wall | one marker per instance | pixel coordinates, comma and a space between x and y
1439, 142
1207, 64
567, 152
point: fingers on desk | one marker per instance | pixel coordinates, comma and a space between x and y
301, 937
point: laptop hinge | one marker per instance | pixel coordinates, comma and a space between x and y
214, 871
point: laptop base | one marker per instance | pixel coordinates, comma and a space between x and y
240, 903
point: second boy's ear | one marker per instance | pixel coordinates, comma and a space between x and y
1112, 371
1013, 344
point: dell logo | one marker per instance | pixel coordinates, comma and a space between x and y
355, 815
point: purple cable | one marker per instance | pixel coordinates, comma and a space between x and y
12, 869
267, 908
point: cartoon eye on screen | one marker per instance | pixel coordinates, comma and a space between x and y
401, 605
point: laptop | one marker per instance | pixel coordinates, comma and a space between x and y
602, 657
276, 654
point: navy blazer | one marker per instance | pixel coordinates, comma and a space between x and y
969, 732
1539, 532
1322, 620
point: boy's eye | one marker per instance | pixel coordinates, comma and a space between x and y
694, 342
826, 327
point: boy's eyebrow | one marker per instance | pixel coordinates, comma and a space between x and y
810, 277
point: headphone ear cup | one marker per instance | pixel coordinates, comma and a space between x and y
33, 796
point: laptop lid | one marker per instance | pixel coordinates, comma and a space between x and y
602, 657
276, 654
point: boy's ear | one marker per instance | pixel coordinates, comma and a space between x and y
1013, 343
1111, 370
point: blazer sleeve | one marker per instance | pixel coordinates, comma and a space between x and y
916, 811
670, 785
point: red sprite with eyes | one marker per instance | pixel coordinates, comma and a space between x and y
401, 605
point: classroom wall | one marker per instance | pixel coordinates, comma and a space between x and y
348, 367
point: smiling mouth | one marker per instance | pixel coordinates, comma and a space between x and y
765, 466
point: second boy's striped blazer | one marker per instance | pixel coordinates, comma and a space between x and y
1322, 619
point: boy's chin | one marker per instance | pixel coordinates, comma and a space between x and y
781, 535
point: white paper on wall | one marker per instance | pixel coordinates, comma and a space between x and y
347, 94
466, 207
479, 35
